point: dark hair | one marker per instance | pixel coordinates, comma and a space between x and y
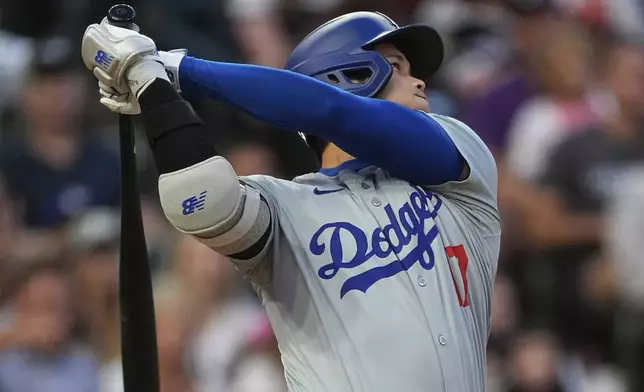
527, 8
318, 145
52, 57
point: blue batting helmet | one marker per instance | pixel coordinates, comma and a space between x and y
340, 52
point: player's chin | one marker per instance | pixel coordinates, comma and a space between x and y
419, 103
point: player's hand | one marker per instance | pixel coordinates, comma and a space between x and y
111, 52
122, 103
171, 59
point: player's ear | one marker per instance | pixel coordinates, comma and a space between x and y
384, 92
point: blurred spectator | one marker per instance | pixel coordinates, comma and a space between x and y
504, 326
16, 54
38, 353
492, 113
200, 26
6, 229
534, 361
259, 31
176, 322
563, 69
93, 250
22, 24
584, 172
624, 252
626, 17
231, 326
505, 316
476, 46
39, 19
52, 169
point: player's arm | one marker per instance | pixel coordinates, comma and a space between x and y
405, 142
199, 190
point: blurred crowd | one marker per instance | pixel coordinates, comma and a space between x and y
555, 88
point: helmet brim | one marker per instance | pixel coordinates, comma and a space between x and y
421, 45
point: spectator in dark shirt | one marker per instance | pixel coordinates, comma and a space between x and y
583, 173
52, 171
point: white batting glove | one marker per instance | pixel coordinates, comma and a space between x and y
171, 59
118, 102
111, 53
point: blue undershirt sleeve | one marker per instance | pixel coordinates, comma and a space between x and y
407, 143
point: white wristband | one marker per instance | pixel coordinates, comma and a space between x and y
143, 73
172, 61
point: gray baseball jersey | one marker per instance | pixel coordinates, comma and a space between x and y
373, 284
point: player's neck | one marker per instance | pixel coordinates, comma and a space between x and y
333, 156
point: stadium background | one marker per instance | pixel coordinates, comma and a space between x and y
556, 89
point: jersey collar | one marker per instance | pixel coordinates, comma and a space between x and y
353, 165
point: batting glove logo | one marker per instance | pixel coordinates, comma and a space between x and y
194, 203
103, 59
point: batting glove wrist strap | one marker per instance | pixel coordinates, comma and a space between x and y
141, 75
172, 61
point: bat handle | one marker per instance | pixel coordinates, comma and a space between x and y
122, 15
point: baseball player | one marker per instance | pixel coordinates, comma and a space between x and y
376, 272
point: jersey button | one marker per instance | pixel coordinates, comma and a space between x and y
422, 282
442, 340
365, 185
376, 202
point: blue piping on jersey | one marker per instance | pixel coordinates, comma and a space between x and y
354, 165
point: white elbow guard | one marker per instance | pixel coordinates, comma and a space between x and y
206, 200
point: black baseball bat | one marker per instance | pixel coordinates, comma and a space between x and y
138, 327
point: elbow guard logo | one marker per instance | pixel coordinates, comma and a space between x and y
194, 203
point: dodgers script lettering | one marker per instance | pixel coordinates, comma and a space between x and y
405, 225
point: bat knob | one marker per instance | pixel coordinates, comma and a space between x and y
122, 15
